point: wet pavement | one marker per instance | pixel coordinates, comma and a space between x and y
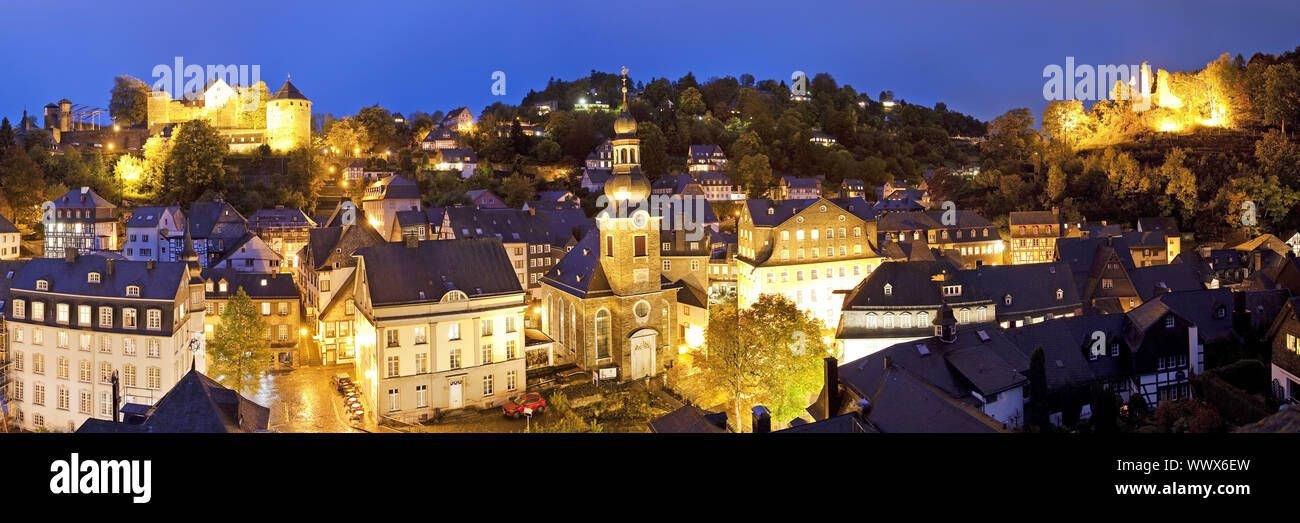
304, 400
484, 421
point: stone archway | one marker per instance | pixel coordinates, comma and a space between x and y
644, 343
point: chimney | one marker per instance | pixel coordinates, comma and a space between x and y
108, 267
148, 264
70, 254
762, 421
831, 382
1256, 261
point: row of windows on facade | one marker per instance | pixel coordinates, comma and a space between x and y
1047, 229
83, 406
422, 391
1033, 243
801, 253
814, 274
454, 359
393, 336
942, 234
812, 234
955, 290
278, 332
153, 375
219, 308
75, 228
153, 317
904, 320
63, 340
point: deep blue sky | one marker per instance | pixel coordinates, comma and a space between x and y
981, 57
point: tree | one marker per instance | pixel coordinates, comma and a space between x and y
130, 100
348, 136
1278, 156
7, 135
379, 126
194, 164
1057, 183
241, 347
1180, 188
654, 149
1281, 103
754, 173
769, 354
547, 151
692, 102
23, 186
516, 190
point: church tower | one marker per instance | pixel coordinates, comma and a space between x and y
629, 249
288, 119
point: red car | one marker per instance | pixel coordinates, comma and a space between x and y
529, 403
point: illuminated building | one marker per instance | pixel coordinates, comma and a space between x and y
245, 120
439, 325
606, 304
384, 198
78, 324
79, 220
806, 250
1033, 235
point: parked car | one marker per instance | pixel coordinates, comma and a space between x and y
527, 403
341, 381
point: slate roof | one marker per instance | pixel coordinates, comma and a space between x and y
690, 419
162, 282
1033, 218
910, 221
427, 216
1067, 343
1285, 421
689, 295
397, 274
458, 155
82, 198
8, 270
392, 187
1032, 287
580, 273
1198, 307
1173, 276
704, 152
279, 217
1165, 224
508, 225
288, 92
441, 134
196, 404
142, 217
331, 245
850, 423
783, 210
215, 219
257, 286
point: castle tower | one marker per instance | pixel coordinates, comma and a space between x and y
65, 114
629, 232
288, 119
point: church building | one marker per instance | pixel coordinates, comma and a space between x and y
607, 305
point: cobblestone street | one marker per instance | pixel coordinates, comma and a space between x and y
304, 400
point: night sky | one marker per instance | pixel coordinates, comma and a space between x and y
432, 55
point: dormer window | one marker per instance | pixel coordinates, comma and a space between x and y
133, 290
224, 287
952, 290
92, 277
1169, 322
1007, 299
1060, 294
889, 290
1220, 311
42, 285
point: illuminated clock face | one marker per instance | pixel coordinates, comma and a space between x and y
640, 219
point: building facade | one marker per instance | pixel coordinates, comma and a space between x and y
81, 325
439, 326
79, 220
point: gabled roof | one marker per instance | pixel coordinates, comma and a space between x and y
141, 217
690, 419
336, 245
216, 219
82, 198
393, 187
458, 155
6, 226
1033, 218
398, 274
581, 274
195, 404
257, 286
279, 217
782, 210
1166, 224
1173, 276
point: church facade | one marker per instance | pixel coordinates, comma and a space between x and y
607, 305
